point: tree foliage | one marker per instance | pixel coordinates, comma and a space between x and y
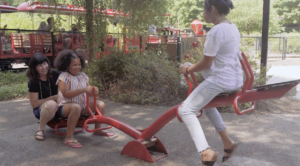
186, 11
247, 15
288, 10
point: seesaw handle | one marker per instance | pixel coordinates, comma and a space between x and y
236, 107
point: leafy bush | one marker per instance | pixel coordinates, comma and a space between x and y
148, 78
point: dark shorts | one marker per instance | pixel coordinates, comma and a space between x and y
58, 114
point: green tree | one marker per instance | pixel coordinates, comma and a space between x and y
248, 17
288, 10
186, 11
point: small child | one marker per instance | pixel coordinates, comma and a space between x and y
72, 88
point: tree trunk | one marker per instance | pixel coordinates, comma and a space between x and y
247, 29
89, 28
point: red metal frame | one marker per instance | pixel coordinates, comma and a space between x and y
82, 122
145, 140
134, 41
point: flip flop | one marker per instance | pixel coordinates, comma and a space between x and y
73, 144
39, 137
104, 133
231, 152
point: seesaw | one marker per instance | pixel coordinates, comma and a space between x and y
146, 146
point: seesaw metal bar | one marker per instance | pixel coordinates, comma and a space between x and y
250, 95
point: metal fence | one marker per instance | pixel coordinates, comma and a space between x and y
282, 47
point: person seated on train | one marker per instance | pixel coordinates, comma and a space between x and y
2, 34
72, 35
62, 32
66, 39
50, 24
152, 29
74, 30
3, 31
4, 42
42, 27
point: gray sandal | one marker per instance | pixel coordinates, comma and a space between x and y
39, 137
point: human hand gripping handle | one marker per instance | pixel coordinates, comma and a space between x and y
183, 68
91, 90
88, 90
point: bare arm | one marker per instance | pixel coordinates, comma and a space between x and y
64, 89
35, 101
204, 64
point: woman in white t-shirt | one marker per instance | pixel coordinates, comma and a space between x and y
222, 71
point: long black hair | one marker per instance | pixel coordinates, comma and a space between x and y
222, 6
37, 59
63, 59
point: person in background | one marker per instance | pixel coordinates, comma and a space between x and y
42, 27
3, 41
66, 40
50, 25
3, 31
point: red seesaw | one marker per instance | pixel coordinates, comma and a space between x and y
147, 146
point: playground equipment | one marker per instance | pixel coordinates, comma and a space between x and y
146, 146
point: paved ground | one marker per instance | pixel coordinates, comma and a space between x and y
266, 140
284, 70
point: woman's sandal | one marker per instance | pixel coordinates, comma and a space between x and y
230, 151
39, 137
73, 144
211, 163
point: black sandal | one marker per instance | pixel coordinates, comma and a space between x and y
210, 163
37, 136
230, 152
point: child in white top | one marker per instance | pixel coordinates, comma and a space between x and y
222, 71
72, 88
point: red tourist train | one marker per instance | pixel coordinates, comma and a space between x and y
18, 45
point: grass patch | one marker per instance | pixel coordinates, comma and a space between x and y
13, 85
8, 92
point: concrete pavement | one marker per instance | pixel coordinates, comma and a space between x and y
265, 140
285, 70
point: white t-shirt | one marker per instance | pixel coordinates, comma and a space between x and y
223, 43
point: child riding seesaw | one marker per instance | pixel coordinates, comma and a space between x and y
73, 85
